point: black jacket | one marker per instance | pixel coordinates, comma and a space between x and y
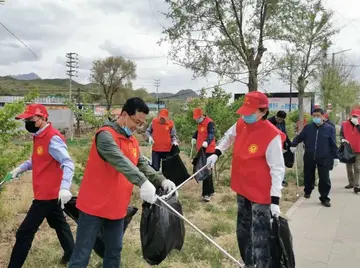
282, 127
319, 141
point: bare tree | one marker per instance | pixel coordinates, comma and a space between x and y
308, 35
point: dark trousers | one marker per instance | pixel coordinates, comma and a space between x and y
87, 231
323, 166
156, 158
253, 232
208, 184
39, 210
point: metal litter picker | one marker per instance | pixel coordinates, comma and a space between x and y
297, 174
238, 264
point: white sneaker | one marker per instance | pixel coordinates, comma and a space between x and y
206, 198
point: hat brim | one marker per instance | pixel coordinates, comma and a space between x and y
24, 116
246, 110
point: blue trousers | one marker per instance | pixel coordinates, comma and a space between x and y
87, 231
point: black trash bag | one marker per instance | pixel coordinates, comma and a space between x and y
73, 212
289, 159
346, 154
199, 162
173, 167
161, 230
282, 253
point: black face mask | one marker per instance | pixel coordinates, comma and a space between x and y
30, 126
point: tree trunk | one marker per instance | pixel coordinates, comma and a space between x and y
301, 84
253, 79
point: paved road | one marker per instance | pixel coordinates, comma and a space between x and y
327, 237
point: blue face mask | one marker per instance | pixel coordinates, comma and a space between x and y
127, 131
249, 119
317, 120
199, 120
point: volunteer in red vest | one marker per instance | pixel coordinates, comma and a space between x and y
52, 173
205, 137
114, 166
350, 133
256, 176
162, 135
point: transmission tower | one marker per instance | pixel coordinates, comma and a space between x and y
157, 85
73, 64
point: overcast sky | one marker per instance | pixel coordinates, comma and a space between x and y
129, 28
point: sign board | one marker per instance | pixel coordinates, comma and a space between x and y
283, 103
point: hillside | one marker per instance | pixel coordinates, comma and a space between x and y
181, 95
30, 76
9, 86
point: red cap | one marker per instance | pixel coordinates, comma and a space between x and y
253, 101
197, 113
32, 110
164, 113
355, 112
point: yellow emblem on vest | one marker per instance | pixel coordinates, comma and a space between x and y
253, 148
39, 150
202, 129
134, 152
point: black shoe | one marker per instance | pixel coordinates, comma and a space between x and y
326, 204
284, 184
356, 190
349, 186
307, 196
64, 260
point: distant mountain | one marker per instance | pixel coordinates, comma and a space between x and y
181, 95
30, 76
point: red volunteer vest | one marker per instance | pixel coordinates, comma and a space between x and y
162, 135
46, 171
105, 192
250, 173
202, 135
352, 135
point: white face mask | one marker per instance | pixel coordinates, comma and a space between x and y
355, 120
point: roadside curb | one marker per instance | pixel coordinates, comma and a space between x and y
294, 207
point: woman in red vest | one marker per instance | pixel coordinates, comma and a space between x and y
113, 167
350, 133
204, 137
162, 135
52, 174
256, 176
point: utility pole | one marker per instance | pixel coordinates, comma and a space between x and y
79, 107
157, 85
291, 82
73, 64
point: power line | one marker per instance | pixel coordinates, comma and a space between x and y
8, 30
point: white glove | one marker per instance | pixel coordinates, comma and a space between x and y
212, 160
343, 140
275, 210
336, 162
151, 140
205, 144
293, 149
284, 151
15, 173
355, 121
64, 197
175, 143
193, 141
148, 192
168, 186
